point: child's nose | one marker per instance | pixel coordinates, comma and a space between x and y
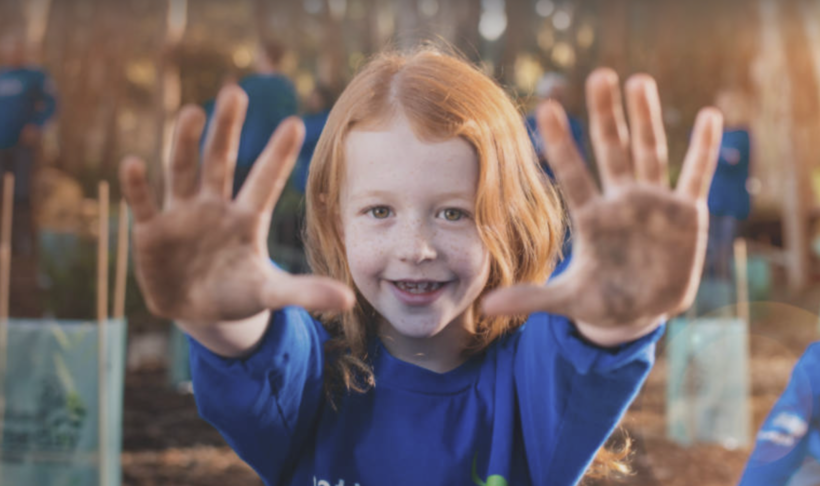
416, 244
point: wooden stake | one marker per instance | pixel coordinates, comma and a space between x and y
102, 317
742, 278
102, 255
122, 263
5, 244
5, 273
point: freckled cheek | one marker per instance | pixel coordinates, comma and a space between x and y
365, 254
468, 256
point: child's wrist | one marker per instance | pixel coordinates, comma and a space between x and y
613, 336
229, 339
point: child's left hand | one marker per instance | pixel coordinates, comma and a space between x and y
638, 245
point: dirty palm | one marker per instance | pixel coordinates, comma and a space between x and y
420, 339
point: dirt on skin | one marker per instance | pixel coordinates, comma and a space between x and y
166, 443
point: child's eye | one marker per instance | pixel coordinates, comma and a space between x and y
380, 212
453, 214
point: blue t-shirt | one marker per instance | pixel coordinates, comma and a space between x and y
271, 99
791, 432
728, 195
533, 409
540, 145
27, 96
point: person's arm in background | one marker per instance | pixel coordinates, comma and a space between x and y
782, 442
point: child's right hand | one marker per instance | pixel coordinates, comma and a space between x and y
203, 258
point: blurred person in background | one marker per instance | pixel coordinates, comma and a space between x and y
27, 102
553, 86
317, 109
729, 199
271, 99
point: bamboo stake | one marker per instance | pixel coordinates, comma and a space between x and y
742, 278
5, 272
102, 317
122, 262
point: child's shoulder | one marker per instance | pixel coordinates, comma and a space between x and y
811, 357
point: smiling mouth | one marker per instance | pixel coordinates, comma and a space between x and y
418, 287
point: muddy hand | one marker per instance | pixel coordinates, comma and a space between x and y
638, 245
203, 257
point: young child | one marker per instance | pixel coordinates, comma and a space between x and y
787, 451
435, 355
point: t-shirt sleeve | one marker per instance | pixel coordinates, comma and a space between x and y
782, 442
572, 393
265, 404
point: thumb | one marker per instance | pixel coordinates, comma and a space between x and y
524, 299
310, 292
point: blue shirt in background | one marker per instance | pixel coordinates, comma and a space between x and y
271, 99
538, 143
314, 124
533, 409
791, 433
27, 96
728, 195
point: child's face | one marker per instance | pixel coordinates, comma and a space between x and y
407, 214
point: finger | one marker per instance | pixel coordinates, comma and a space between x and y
649, 148
562, 154
136, 190
517, 300
610, 136
270, 172
222, 142
701, 158
182, 171
307, 291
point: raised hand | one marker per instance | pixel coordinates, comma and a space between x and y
203, 258
638, 245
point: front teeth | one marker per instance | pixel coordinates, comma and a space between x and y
419, 287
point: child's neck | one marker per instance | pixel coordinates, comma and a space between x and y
441, 353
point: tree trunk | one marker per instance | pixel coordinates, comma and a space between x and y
467, 36
518, 14
614, 33
780, 158
332, 59
117, 30
805, 129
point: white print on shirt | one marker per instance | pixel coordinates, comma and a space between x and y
11, 87
791, 423
322, 482
775, 437
792, 428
